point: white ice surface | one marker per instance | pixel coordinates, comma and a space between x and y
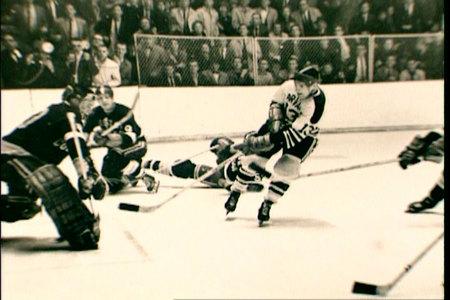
327, 232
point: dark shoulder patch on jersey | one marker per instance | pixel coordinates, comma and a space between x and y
121, 109
319, 102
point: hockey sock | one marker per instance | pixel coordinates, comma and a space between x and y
243, 178
277, 190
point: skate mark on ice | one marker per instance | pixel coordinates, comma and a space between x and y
285, 222
137, 245
33, 244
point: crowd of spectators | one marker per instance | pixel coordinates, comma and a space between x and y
52, 43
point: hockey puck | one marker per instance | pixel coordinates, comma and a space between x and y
129, 207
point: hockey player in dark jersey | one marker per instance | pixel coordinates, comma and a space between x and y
222, 178
29, 158
431, 148
294, 113
126, 144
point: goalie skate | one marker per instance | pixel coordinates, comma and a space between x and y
151, 183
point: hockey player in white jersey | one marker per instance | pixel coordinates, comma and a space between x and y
430, 148
292, 126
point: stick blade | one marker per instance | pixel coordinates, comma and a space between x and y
129, 207
364, 288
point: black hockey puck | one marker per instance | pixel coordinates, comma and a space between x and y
129, 207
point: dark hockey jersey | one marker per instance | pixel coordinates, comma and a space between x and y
130, 130
48, 136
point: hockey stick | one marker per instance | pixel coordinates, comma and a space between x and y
383, 290
124, 118
267, 174
139, 208
83, 163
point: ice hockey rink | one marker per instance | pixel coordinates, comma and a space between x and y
327, 232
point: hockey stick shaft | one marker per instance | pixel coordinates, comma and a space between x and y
126, 206
354, 167
72, 122
124, 119
416, 260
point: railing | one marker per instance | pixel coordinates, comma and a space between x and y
231, 61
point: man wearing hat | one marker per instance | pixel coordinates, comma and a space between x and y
292, 127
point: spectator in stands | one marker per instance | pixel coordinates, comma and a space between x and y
28, 18
328, 74
326, 54
54, 9
361, 67
256, 28
292, 66
130, 18
275, 42
388, 70
97, 41
291, 47
113, 27
145, 10
408, 17
41, 71
264, 76
70, 27
160, 18
209, 18
198, 29
433, 58
342, 45
193, 77
241, 15
204, 58
383, 24
332, 11
144, 27
224, 54
279, 75
287, 20
279, 5
13, 61
80, 64
239, 75
322, 27
89, 10
388, 48
224, 23
269, 15
125, 66
215, 76
177, 56
245, 47
182, 18
307, 17
364, 21
108, 70
412, 72
170, 77
154, 59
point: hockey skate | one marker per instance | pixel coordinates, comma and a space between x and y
419, 206
264, 212
232, 201
151, 183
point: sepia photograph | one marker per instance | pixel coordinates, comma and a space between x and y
222, 149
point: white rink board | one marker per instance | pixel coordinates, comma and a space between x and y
169, 112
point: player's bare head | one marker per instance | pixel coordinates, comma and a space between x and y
105, 98
306, 81
73, 96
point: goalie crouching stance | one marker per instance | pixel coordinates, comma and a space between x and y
29, 158
126, 144
294, 112
430, 148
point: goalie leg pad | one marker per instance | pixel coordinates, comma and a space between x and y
72, 219
185, 169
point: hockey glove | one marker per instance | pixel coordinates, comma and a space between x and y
92, 185
257, 144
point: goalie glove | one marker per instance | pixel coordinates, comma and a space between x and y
92, 185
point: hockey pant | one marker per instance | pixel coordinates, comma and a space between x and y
286, 168
28, 179
120, 167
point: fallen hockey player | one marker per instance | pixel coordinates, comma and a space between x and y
222, 147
